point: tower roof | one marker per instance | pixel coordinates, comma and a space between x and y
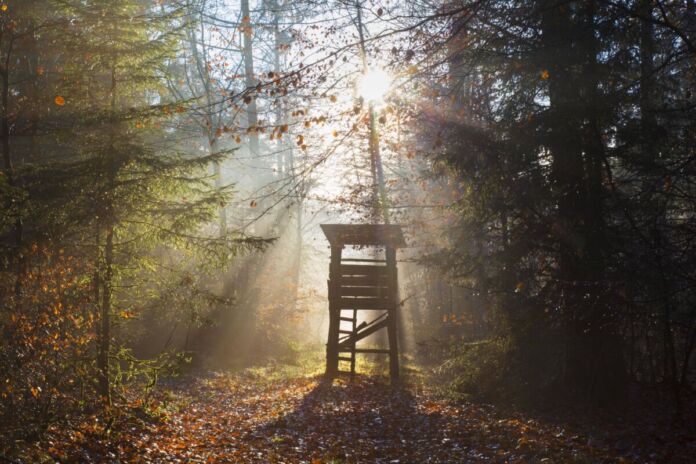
389, 235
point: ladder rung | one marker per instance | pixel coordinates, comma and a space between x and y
365, 303
343, 358
363, 350
345, 331
347, 319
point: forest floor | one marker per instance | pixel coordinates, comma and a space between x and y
271, 416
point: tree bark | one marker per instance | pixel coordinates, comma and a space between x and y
250, 79
594, 366
9, 170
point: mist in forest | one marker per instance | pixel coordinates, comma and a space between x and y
509, 187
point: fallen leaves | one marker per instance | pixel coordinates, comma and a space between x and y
245, 419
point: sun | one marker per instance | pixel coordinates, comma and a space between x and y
374, 84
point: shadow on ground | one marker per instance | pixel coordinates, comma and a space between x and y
364, 420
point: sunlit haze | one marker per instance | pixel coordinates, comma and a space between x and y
229, 228
374, 84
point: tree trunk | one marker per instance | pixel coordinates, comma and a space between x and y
250, 79
9, 168
105, 318
594, 366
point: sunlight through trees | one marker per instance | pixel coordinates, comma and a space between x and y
167, 164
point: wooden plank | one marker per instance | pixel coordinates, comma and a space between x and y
362, 270
364, 281
365, 303
364, 234
364, 333
381, 292
347, 319
361, 260
343, 358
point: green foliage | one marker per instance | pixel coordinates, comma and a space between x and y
101, 196
568, 222
478, 370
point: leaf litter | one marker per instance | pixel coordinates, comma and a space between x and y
220, 418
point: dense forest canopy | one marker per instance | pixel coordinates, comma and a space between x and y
166, 165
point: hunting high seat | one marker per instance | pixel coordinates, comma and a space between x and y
362, 285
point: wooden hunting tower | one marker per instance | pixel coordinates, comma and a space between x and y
357, 284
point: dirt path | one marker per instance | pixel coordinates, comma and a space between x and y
302, 420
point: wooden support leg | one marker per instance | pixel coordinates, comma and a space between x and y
334, 313
392, 321
393, 347
352, 353
332, 345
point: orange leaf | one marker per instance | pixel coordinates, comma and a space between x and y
60, 101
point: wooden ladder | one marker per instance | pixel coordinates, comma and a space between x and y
350, 348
